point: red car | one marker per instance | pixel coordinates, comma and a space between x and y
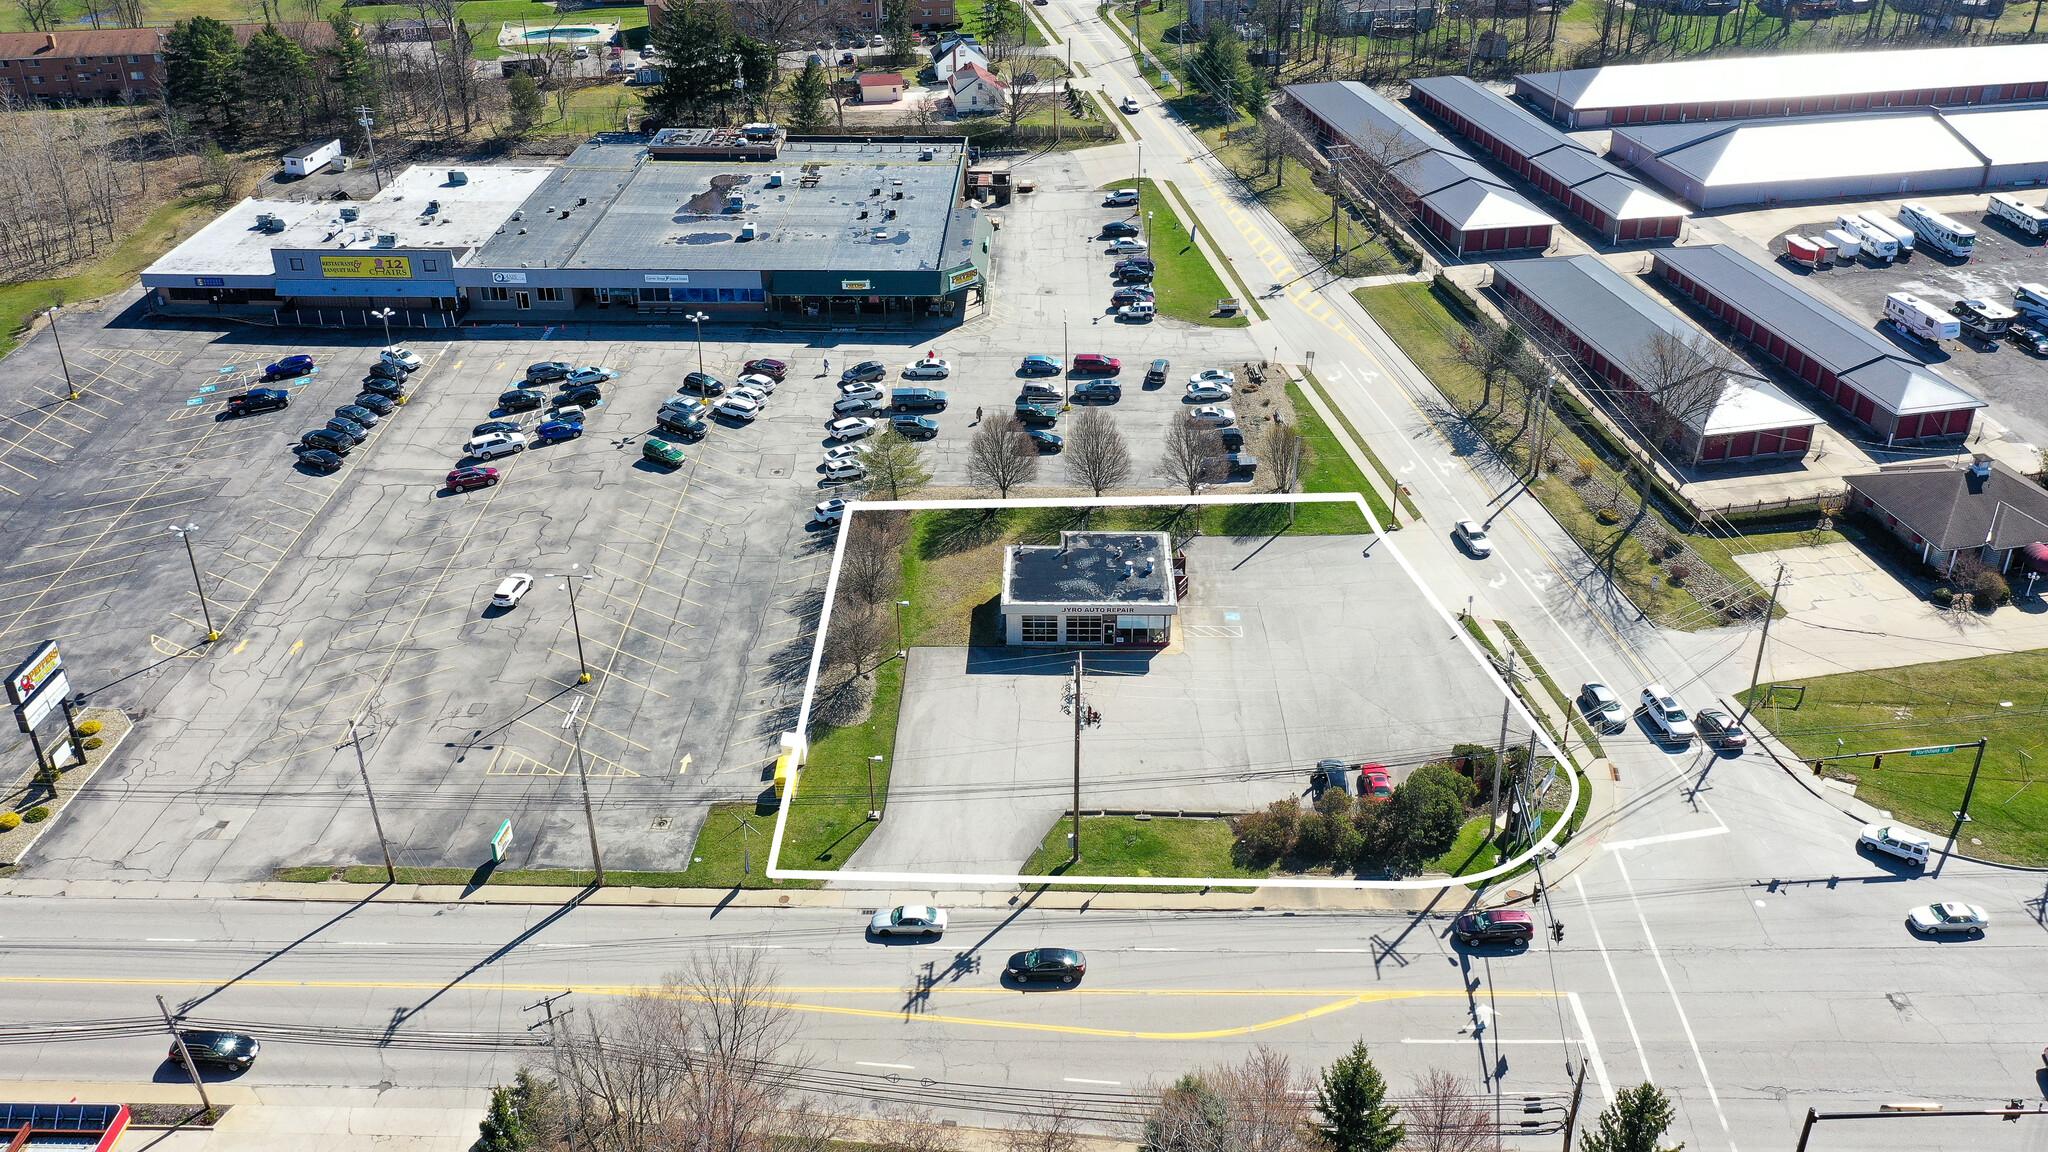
464, 479
1374, 783
1092, 362
773, 369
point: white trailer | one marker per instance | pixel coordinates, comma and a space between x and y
1937, 231
2018, 213
1871, 240
1917, 318
1893, 228
311, 158
2032, 299
1845, 243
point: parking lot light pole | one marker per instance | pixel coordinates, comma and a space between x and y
698, 318
900, 649
70, 388
205, 609
874, 813
574, 574
385, 315
1066, 362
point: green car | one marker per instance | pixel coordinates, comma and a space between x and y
662, 452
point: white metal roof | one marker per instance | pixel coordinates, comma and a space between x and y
1793, 76
1754, 406
2008, 136
1741, 152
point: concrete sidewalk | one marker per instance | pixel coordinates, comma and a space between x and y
266, 1118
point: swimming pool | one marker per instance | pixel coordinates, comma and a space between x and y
559, 33
524, 38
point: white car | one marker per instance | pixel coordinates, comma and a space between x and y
909, 920
1473, 537
1894, 841
738, 408
1130, 104
1667, 715
763, 384
510, 589
840, 453
1214, 376
1126, 245
1932, 919
1600, 705
591, 374
759, 398
1209, 390
850, 427
1215, 415
399, 356
844, 470
859, 392
831, 511
496, 444
929, 368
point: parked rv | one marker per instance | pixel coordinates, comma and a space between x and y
1845, 244
1917, 318
1805, 252
1871, 240
2032, 300
1894, 229
1937, 231
1984, 319
2018, 213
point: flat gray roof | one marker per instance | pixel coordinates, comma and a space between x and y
1092, 568
1791, 75
642, 212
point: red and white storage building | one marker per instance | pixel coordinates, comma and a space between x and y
1607, 321
1897, 397
1616, 204
1457, 198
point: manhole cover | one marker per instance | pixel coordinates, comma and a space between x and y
776, 467
662, 824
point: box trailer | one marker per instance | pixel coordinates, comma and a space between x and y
1845, 244
1892, 228
1936, 231
311, 158
2018, 213
1871, 240
1805, 252
1919, 319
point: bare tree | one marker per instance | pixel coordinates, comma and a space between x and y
1267, 1110
619, 1073
813, 1125
742, 1057
129, 13
856, 641
1053, 1129
1097, 456
1194, 455
872, 565
917, 1130
1444, 1115
1025, 103
41, 15
1492, 352
1679, 378
1287, 456
1002, 455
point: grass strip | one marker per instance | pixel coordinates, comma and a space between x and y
1407, 502
165, 229
1229, 266
1184, 281
1564, 703
1330, 467
1158, 848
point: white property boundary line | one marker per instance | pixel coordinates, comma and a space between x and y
920, 879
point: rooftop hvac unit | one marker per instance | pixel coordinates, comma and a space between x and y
458, 177
263, 220
387, 239
276, 224
349, 211
735, 203
433, 206
747, 230
775, 180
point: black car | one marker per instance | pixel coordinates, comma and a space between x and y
703, 384
384, 370
684, 426
328, 439
220, 1049
1037, 415
915, 427
381, 405
2029, 338
1098, 390
581, 396
319, 459
866, 371
1119, 228
1155, 376
357, 413
348, 428
378, 385
548, 370
1134, 276
1044, 440
1062, 964
1233, 438
520, 399
489, 426
1501, 926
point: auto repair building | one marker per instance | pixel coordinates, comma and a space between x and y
1611, 201
1782, 85
1607, 322
1092, 589
1454, 196
1899, 398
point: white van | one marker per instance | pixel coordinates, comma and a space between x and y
1916, 317
2032, 299
1937, 231
1908, 846
2018, 213
1873, 241
1893, 228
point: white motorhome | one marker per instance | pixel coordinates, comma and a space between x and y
2032, 299
1893, 228
2018, 213
1937, 231
1871, 240
1916, 317
1845, 244
1984, 319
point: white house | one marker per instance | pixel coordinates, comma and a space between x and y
881, 87
976, 89
959, 56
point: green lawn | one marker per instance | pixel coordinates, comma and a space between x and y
732, 854
1187, 284
487, 17
2004, 698
519, 878
1331, 469
603, 108
828, 817
1150, 849
1288, 190
165, 229
1470, 853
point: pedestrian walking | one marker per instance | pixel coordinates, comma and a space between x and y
977, 415
828, 369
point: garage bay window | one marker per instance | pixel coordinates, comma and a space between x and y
1041, 629
1084, 629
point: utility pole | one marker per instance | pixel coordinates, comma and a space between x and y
575, 726
1963, 815
390, 871
1500, 754
1571, 1118
1542, 427
185, 1055
365, 118
1756, 671
1083, 716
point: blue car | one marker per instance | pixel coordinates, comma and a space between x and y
288, 367
554, 430
1036, 365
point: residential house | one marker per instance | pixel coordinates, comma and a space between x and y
959, 55
976, 89
881, 87
1944, 511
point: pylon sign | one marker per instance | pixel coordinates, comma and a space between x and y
34, 673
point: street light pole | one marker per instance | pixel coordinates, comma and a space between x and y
575, 725
390, 871
900, 649
1066, 362
874, 813
205, 609
698, 318
385, 314
574, 574
70, 388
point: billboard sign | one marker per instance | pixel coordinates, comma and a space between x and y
366, 267
33, 673
964, 278
43, 703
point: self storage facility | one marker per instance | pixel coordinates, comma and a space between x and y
1787, 85
1609, 324
1454, 196
1899, 398
1615, 203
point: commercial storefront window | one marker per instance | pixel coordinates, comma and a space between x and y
1142, 629
497, 293
551, 293
1084, 629
1041, 630
703, 295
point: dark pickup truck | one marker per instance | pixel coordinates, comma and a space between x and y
258, 400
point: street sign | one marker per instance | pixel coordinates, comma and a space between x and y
500, 842
1933, 751
43, 703
33, 672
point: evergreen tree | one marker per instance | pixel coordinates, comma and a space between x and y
501, 1130
523, 97
896, 30
348, 67
709, 70
203, 69
1633, 1123
807, 94
276, 75
1220, 67
1351, 1099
